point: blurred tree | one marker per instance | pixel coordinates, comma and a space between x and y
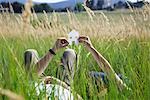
100, 4
79, 7
17, 7
42, 7
119, 5
4, 4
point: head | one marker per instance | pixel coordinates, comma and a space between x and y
30, 59
69, 60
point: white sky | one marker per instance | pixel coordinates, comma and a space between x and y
136, 0
54, 1
43, 1
67, 0
49, 1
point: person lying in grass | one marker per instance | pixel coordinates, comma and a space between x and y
31, 57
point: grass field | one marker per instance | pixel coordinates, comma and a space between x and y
121, 37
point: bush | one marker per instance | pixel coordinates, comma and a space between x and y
120, 4
79, 7
17, 7
42, 7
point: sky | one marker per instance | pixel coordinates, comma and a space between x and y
53, 1
136, 0
45, 1
49, 1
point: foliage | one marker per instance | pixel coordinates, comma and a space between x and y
42, 7
79, 7
16, 6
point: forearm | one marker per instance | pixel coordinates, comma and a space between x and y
53, 80
102, 62
43, 63
105, 66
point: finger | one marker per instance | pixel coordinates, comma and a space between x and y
64, 41
62, 38
83, 41
64, 45
83, 37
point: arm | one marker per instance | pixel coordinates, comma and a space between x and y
44, 61
102, 62
52, 80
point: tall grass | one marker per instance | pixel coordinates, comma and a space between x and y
121, 36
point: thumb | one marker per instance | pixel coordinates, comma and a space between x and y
83, 41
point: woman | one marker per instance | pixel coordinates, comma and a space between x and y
41, 64
62, 90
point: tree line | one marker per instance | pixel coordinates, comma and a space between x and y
17, 7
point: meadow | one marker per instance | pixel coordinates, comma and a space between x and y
122, 37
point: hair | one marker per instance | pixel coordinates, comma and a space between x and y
30, 58
27, 60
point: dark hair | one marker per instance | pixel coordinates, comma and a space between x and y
27, 60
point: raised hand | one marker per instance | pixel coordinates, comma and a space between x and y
44, 61
85, 40
60, 43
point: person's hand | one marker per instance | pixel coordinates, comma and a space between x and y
85, 40
60, 43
